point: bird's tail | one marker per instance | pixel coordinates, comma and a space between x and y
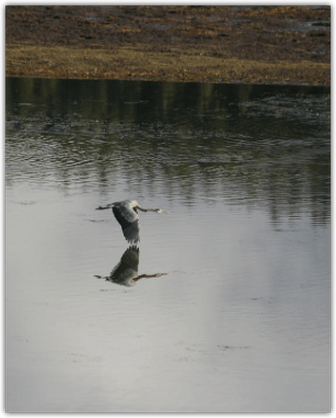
104, 207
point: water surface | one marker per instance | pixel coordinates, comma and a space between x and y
241, 320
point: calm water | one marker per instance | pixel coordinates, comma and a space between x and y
241, 320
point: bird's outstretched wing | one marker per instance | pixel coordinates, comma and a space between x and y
128, 219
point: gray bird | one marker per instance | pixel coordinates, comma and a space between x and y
126, 271
126, 213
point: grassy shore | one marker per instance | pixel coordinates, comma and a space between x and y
264, 44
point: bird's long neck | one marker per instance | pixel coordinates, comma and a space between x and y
147, 210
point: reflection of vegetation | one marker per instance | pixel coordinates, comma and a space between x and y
251, 143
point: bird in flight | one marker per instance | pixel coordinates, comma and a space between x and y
126, 213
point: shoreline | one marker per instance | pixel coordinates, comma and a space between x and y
277, 45
63, 62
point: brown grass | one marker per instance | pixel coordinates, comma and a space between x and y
135, 62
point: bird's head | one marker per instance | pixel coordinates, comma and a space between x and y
160, 211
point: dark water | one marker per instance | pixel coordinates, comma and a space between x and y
241, 319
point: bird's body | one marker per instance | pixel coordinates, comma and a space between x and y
126, 213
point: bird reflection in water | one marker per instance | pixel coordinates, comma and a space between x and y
125, 272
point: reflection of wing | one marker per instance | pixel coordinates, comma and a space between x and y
126, 271
128, 219
127, 268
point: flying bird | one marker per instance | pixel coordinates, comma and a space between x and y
126, 213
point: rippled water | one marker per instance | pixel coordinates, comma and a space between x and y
241, 319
